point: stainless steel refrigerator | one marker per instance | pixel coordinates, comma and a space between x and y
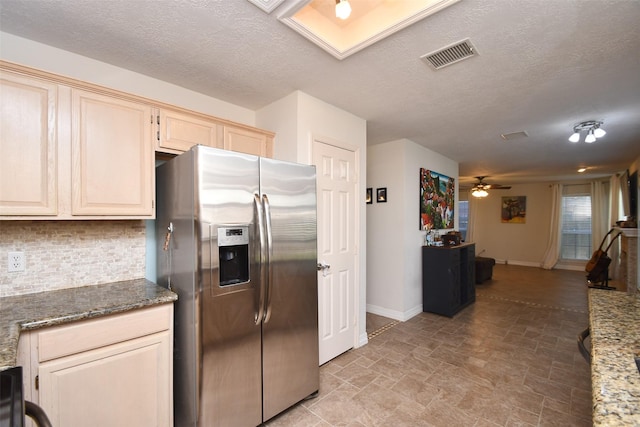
237, 243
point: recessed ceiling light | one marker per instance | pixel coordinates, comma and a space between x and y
582, 170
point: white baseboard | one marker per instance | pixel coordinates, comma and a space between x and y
575, 266
515, 262
394, 314
364, 340
572, 267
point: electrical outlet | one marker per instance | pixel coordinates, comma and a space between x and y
16, 262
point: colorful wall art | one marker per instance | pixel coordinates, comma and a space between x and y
437, 200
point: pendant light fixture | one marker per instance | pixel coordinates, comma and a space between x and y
343, 9
593, 129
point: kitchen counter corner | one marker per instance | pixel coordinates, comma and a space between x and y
614, 322
39, 310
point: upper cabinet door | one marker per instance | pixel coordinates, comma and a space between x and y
178, 132
248, 141
112, 156
28, 176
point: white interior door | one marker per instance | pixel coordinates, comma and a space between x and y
337, 179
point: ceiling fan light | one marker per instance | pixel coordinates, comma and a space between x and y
479, 192
575, 137
343, 9
590, 137
599, 132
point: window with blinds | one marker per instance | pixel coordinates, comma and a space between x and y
463, 218
575, 241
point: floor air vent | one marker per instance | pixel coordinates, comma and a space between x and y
450, 54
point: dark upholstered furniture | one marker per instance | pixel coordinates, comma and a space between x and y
484, 269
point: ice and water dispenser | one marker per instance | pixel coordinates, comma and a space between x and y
233, 249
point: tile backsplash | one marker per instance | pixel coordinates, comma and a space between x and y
69, 254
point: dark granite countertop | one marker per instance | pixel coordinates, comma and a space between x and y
39, 310
614, 322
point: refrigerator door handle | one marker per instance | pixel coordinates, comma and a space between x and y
267, 217
263, 264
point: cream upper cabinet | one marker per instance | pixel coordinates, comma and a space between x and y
248, 141
112, 156
74, 150
179, 131
28, 174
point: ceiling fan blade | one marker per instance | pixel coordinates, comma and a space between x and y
481, 185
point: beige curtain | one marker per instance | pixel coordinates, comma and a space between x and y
600, 224
552, 253
473, 214
615, 184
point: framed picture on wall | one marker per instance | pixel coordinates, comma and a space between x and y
381, 195
437, 200
369, 197
514, 209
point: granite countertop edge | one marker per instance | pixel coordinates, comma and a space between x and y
614, 322
50, 308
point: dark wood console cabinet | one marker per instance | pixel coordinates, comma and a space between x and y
448, 278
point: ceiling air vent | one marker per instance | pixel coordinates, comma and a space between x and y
514, 135
450, 54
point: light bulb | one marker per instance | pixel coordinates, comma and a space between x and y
343, 9
575, 137
590, 138
599, 133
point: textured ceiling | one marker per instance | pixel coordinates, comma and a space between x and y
543, 65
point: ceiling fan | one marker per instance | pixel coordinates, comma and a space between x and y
480, 188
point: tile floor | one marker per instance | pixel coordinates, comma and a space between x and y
510, 359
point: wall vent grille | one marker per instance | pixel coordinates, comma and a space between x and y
451, 54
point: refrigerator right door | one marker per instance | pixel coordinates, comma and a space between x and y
290, 328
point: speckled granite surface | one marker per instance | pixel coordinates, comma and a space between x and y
32, 311
614, 321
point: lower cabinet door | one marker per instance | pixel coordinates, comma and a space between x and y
125, 384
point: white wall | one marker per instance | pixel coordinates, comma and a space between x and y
281, 117
521, 244
297, 119
394, 238
37, 55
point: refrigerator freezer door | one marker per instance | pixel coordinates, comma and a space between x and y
290, 330
230, 365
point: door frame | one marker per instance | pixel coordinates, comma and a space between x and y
358, 339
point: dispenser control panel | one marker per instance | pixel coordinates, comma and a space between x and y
230, 236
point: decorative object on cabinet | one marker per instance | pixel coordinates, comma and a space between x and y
381, 195
369, 198
514, 209
448, 278
437, 200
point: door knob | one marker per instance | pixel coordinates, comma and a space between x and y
324, 267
